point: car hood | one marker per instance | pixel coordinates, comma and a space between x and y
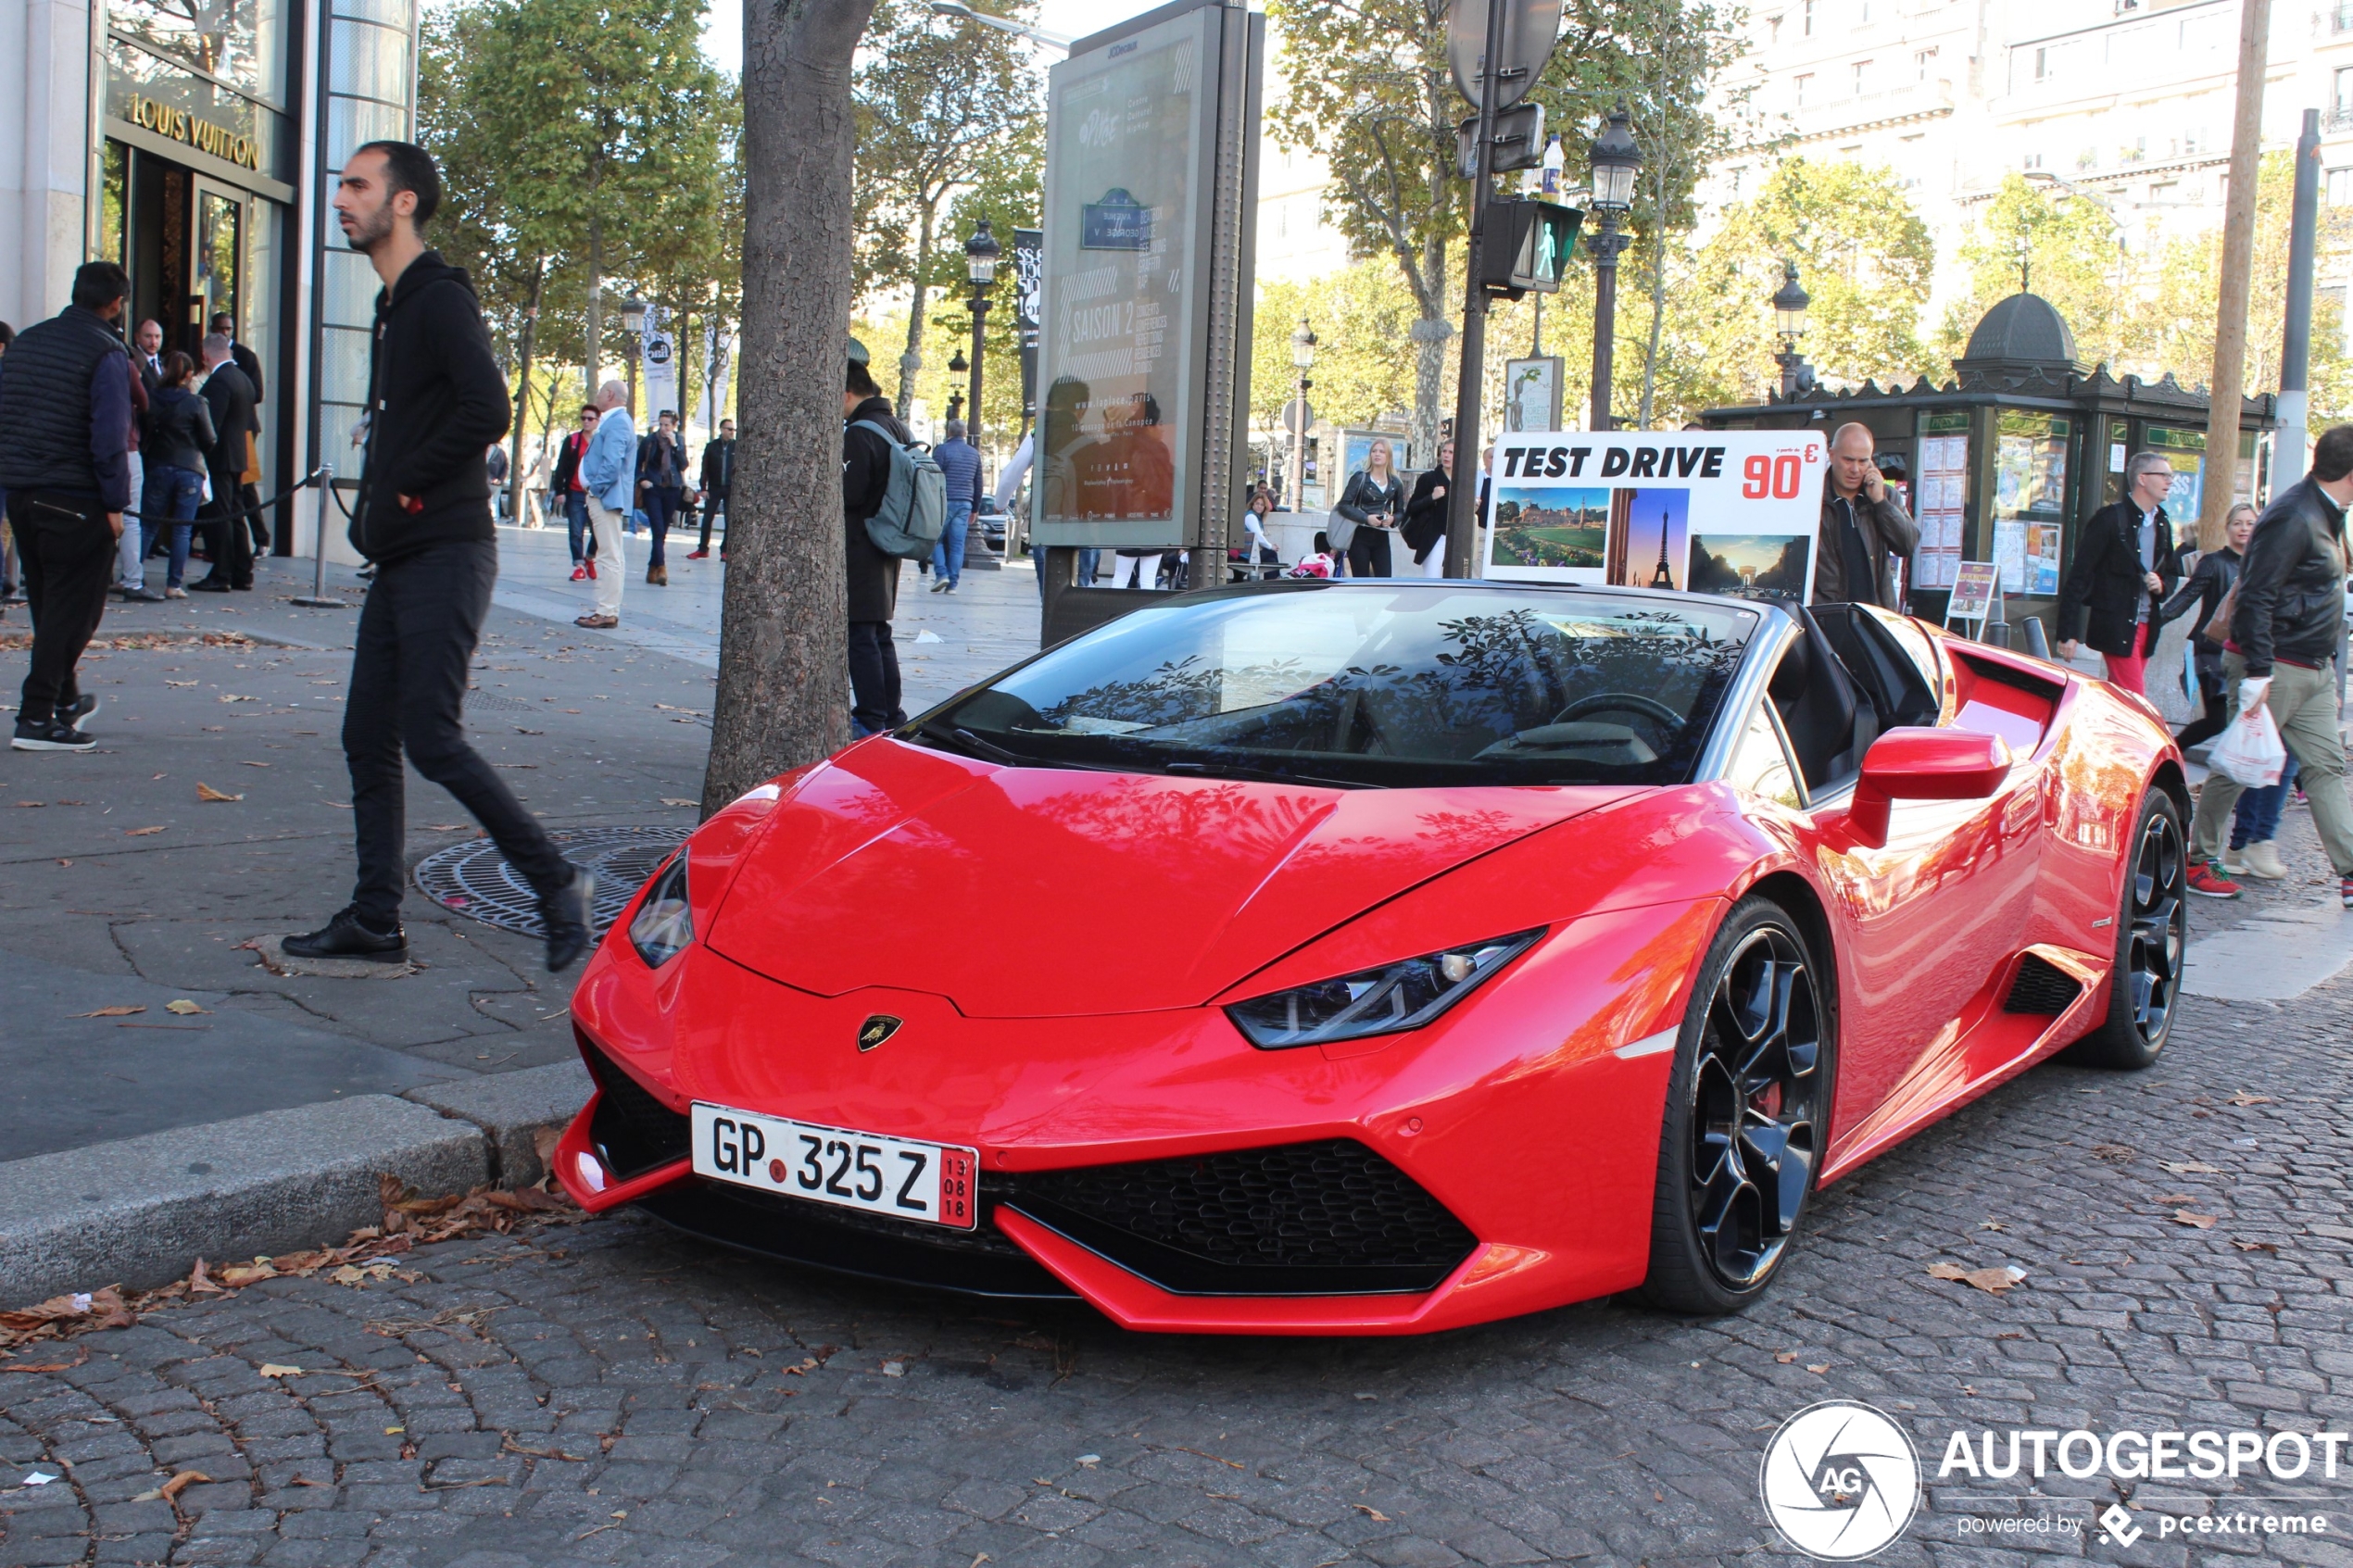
1036, 891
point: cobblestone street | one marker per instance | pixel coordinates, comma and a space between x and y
608, 1393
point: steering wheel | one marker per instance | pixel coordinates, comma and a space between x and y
1621, 702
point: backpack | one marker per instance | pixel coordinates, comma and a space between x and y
914, 513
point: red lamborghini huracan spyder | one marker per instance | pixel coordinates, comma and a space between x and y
1373, 958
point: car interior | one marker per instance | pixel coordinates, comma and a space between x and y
1840, 683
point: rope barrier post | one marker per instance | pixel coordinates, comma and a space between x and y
316, 598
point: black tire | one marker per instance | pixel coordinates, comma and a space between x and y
2151, 934
1747, 1115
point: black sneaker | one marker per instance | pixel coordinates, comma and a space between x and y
49, 734
208, 585
566, 914
82, 709
346, 937
142, 596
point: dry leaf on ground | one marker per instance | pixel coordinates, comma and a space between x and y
2191, 1168
2171, 1197
669, 800
2257, 1246
2190, 1217
2243, 1098
141, 833
2115, 1153
280, 1369
183, 1007
1992, 1281
119, 1009
207, 792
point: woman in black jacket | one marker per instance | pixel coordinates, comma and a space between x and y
1372, 500
2217, 570
1425, 530
179, 433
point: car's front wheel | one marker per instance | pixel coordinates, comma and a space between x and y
2152, 935
1747, 1115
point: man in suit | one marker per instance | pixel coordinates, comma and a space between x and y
229, 397
249, 492
247, 360
149, 357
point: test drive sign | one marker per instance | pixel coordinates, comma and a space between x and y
1710, 511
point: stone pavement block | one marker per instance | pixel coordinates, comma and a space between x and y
511, 1107
142, 1210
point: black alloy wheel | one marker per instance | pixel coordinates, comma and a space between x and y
1746, 1118
2152, 940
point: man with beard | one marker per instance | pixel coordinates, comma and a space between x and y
436, 400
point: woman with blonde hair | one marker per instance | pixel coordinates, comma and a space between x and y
1370, 504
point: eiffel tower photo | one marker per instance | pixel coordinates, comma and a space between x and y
1664, 577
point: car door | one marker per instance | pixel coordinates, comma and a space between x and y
1932, 916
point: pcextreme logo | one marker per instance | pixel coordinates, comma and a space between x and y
1840, 1481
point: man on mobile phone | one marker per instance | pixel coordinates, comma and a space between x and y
64, 444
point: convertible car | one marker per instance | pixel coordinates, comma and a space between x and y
1377, 958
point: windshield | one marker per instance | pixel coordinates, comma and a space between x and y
1383, 684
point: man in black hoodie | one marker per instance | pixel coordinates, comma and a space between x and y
436, 400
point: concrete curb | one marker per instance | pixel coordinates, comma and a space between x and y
140, 1212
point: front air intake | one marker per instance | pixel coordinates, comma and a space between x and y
2042, 987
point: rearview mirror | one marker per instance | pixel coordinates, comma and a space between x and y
1924, 764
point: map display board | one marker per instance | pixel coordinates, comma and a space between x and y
1729, 512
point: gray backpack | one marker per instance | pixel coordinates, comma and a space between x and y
914, 506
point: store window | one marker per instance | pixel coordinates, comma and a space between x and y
113, 199
2030, 499
241, 42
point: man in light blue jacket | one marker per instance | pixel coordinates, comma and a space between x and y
608, 470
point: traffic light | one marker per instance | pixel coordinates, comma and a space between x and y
1528, 246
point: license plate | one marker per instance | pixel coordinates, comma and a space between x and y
933, 1184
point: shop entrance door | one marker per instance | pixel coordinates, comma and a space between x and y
216, 262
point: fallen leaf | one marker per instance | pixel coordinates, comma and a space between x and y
141, 833
2257, 1246
1785, 1357
2173, 1197
32, 804
235, 1276
181, 1006
181, 1483
253, 764
119, 1010
1369, 1511
2243, 1098
207, 792
48, 1366
1992, 1281
200, 1283
2189, 1217
231, 697
1990, 1226
668, 800
2115, 1153
2191, 1167
280, 1369
1824, 1367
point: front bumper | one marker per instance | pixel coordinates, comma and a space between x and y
1155, 1165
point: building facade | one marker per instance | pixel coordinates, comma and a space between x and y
194, 142
2126, 102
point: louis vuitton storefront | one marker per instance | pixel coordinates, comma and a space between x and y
199, 156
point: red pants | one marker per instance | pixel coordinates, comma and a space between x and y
2129, 671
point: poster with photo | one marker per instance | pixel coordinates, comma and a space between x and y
1708, 511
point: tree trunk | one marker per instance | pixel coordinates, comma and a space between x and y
596, 349
1430, 336
784, 688
912, 360
523, 392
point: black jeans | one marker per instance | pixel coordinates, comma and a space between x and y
661, 503
66, 569
225, 537
714, 503
873, 678
1369, 552
417, 634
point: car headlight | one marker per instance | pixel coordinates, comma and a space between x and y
663, 924
1395, 997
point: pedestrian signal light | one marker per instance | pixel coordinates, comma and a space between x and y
1528, 246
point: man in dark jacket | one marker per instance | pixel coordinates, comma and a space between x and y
2124, 568
873, 574
64, 441
247, 360
229, 397
718, 477
1865, 529
566, 491
436, 400
2281, 654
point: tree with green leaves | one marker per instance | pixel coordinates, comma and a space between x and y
1369, 89
942, 106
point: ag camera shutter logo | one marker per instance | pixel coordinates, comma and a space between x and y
1840, 1481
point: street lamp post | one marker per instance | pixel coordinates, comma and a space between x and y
1617, 160
1303, 358
1789, 321
980, 268
957, 366
632, 323
1039, 35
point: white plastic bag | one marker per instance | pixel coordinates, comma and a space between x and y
2250, 750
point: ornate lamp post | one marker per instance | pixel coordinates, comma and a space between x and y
632, 321
980, 267
1617, 160
957, 367
1303, 358
1789, 321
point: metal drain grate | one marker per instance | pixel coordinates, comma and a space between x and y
474, 880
